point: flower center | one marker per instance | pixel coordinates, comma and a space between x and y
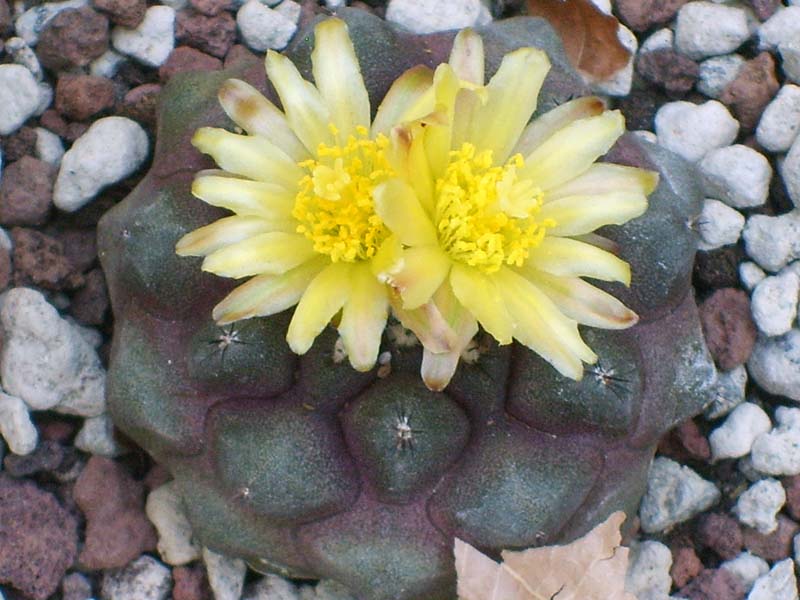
334, 205
485, 214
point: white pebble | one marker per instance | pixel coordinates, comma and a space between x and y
775, 365
790, 170
778, 451
290, 9
790, 60
737, 175
675, 493
646, 135
152, 41
759, 505
45, 360
735, 437
271, 587
143, 579
107, 64
782, 27
5, 242
779, 584
718, 225
728, 392
717, 72
648, 575
165, 510
660, 40
225, 575
46, 95
428, 16
746, 567
774, 303
22, 54
110, 150
619, 84
773, 242
97, 437
49, 147
708, 29
16, 426
692, 130
33, 21
780, 121
750, 274
263, 28
19, 97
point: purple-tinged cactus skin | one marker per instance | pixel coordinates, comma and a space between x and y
303, 466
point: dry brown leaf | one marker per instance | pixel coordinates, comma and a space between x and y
590, 568
589, 35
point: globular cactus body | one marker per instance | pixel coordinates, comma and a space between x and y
308, 468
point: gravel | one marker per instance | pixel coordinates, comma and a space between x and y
744, 142
693, 130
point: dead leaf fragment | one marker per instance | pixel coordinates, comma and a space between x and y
588, 34
590, 568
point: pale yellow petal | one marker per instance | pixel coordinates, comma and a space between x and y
398, 207
364, 317
467, 57
410, 162
248, 155
583, 302
512, 97
388, 260
439, 367
274, 252
323, 298
478, 293
427, 323
402, 97
338, 77
266, 295
249, 109
542, 327
602, 178
570, 258
245, 197
576, 215
572, 149
438, 137
423, 271
227, 231
305, 109
547, 124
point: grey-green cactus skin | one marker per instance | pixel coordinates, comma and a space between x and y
294, 463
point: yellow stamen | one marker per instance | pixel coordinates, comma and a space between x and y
485, 216
334, 205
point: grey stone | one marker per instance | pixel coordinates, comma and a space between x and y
19, 96
675, 493
775, 364
143, 579
759, 505
152, 41
777, 452
717, 72
774, 303
165, 510
728, 392
735, 437
773, 241
709, 29
110, 150
780, 123
45, 361
693, 130
737, 175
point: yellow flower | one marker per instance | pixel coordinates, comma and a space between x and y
493, 216
300, 183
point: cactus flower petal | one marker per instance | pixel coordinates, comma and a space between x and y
363, 318
576, 215
566, 257
479, 294
538, 130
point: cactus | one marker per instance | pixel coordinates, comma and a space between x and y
305, 467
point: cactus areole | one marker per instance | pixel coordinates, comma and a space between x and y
418, 315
